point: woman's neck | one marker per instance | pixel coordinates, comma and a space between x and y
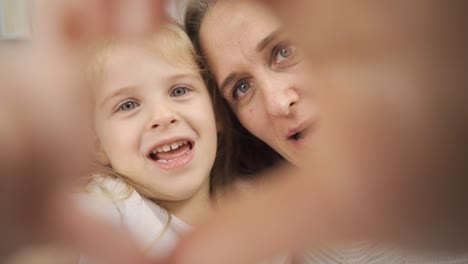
193, 208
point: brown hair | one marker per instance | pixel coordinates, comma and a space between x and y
171, 44
250, 155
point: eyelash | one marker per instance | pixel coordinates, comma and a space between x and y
119, 107
186, 88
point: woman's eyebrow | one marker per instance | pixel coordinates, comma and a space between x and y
268, 40
227, 81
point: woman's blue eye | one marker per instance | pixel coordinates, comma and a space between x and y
283, 53
129, 105
241, 89
179, 91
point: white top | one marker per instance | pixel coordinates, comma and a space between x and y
111, 200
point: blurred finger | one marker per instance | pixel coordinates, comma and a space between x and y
136, 18
96, 239
76, 22
280, 216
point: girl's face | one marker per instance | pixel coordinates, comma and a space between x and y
156, 124
261, 74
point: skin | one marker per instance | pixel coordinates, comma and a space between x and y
261, 74
136, 111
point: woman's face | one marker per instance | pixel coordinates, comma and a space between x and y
260, 73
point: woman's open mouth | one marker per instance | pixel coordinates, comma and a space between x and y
295, 137
299, 138
172, 155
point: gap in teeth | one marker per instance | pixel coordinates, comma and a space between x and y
169, 147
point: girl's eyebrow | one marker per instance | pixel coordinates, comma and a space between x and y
118, 92
192, 76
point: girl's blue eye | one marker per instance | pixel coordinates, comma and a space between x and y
179, 91
241, 89
128, 105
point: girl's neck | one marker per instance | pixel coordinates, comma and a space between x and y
194, 208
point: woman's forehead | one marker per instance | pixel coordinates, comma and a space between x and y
238, 27
239, 18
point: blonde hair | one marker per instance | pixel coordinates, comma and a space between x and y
170, 44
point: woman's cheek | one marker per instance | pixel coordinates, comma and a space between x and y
253, 119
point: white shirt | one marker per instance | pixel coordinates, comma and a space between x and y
111, 200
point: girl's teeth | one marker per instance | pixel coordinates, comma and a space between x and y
174, 145
162, 161
166, 148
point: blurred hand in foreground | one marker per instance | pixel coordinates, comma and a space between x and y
44, 125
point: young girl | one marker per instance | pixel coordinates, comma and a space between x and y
157, 139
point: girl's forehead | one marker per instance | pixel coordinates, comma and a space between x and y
130, 57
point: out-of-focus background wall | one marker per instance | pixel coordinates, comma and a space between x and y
176, 9
15, 19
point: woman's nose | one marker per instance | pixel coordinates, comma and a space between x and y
280, 99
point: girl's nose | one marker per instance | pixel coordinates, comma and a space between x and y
162, 117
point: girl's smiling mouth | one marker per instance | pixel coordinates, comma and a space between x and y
172, 155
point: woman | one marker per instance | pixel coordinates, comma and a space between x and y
259, 72
261, 75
